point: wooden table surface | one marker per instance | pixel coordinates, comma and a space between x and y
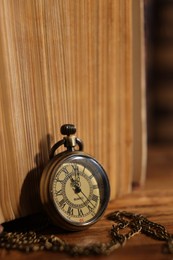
155, 201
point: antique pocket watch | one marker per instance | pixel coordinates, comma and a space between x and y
74, 187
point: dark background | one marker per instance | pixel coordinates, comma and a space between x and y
159, 70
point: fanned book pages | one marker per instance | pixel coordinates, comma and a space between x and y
139, 146
63, 61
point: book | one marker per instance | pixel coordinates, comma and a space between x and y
63, 62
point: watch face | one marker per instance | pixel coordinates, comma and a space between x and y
79, 189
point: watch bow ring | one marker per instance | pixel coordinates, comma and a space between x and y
74, 187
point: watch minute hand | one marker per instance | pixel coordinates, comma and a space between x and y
87, 198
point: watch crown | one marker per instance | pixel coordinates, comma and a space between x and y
69, 141
68, 129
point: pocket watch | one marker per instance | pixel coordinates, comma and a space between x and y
74, 187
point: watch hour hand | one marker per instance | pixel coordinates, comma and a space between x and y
75, 185
77, 175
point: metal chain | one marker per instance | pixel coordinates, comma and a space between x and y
125, 226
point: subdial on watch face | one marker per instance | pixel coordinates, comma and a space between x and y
75, 192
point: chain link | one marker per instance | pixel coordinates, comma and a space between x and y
125, 226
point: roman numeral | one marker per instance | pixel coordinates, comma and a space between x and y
58, 193
62, 203
65, 170
95, 198
80, 213
90, 208
70, 211
58, 180
75, 167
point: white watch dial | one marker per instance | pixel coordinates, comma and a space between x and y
75, 192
